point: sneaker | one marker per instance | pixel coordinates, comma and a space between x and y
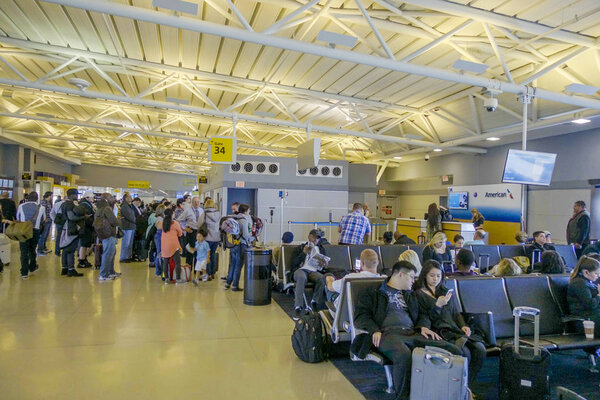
86, 263
108, 278
113, 276
116, 274
204, 278
35, 270
223, 278
47, 251
181, 282
125, 261
195, 282
73, 272
166, 281
81, 264
237, 289
227, 286
297, 313
210, 278
24, 277
41, 254
64, 271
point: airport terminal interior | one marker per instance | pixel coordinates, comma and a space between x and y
300, 199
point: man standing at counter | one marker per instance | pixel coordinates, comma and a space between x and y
354, 227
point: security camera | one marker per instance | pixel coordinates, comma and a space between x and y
490, 104
426, 157
79, 83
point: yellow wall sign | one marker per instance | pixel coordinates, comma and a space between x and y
222, 149
138, 184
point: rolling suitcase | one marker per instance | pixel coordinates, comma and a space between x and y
524, 368
4, 249
438, 374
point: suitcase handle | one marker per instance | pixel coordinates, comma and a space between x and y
523, 310
437, 357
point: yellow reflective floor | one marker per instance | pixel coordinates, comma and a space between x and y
135, 338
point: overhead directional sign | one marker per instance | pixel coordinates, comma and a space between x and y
138, 184
222, 149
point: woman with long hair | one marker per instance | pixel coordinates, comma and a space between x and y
583, 293
478, 219
550, 263
412, 257
209, 220
446, 319
434, 221
170, 247
437, 250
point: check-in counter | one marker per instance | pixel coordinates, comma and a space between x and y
414, 227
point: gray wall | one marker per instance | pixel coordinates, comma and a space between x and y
46, 164
116, 177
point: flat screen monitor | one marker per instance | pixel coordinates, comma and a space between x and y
458, 200
528, 167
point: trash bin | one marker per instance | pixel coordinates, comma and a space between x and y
257, 277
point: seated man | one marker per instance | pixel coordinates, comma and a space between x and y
395, 324
401, 238
478, 238
368, 269
308, 264
539, 245
463, 262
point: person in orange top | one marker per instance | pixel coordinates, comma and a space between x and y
170, 247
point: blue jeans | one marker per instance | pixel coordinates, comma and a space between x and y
44, 232
109, 250
158, 258
236, 263
127, 245
211, 269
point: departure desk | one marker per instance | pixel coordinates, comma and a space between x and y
414, 227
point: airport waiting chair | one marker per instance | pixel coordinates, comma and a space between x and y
486, 257
340, 263
567, 252
355, 251
389, 256
417, 248
510, 251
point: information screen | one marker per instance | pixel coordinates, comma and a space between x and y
458, 200
528, 167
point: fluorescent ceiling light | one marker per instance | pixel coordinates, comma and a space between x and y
469, 66
437, 150
398, 158
177, 101
264, 114
177, 5
581, 121
581, 89
492, 139
334, 39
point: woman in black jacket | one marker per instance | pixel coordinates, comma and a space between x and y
583, 293
437, 250
445, 318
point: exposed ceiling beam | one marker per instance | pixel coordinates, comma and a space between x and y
195, 25
32, 144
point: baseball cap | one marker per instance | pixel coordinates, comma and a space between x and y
88, 193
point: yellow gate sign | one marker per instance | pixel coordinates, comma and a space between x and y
222, 149
138, 184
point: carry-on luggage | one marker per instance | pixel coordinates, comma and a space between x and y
438, 374
4, 249
524, 368
97, 255
309, 339
186, 272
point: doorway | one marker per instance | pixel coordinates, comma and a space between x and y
242, 196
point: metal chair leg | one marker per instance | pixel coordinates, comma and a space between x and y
389, 379
594, 366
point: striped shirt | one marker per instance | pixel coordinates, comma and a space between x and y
354, 228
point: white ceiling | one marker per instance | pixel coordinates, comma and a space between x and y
162, 84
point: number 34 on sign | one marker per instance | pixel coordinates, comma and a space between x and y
222, 149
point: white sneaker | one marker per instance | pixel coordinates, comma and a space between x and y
195, 282
204, 278
181, 282
103, 279
113, 276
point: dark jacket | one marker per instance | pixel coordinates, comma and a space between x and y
127, 217
371, 311
583, 299
9, 209
478, 222
578, 229
105, 211
298, 256
592, 248
403, 239
429, 253
534, 246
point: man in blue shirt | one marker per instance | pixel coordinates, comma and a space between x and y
30, 210
354, 227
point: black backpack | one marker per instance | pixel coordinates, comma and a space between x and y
309, 339
60, 217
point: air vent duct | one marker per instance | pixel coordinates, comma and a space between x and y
322, 171
255, 168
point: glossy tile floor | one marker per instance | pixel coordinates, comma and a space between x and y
134, 338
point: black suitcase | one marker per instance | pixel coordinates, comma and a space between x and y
524, 369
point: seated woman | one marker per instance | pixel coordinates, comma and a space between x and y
412, 257
583, 293
459, 241
506, 267
446, 320
550, 263
388, 237
437, 250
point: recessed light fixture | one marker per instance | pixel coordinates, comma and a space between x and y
492, 139
334, 39
398, 158
581, 89
437, 150
468, 66
177, 5
581, 121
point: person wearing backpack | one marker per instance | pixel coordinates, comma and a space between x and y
105, 225
70, 234
59, 220
86, 232
238, 252
30, 211
210, 222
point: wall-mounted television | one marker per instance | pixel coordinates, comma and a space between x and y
458, 200
528, 167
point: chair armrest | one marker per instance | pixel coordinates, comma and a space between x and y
330, 306
571, 318
483, 324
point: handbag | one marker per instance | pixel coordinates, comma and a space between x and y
22, 231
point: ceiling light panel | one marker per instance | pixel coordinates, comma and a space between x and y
469, 66
581, 89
